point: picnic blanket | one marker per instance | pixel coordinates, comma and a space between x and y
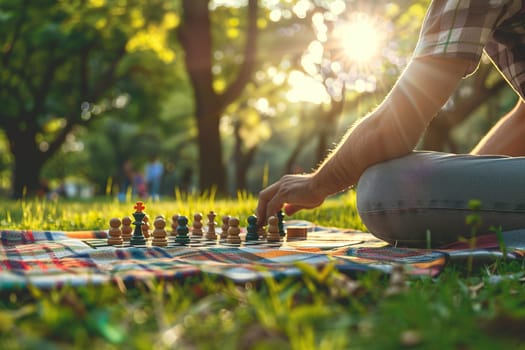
48, 259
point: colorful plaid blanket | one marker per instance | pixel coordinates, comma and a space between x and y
52, 259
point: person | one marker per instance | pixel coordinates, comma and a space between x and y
416, 198
126, 175
186, 180
153, 174
140, 187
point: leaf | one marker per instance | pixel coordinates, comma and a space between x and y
100, 321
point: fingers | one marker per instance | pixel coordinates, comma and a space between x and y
290, 209
272, 199
263, 208
284, 192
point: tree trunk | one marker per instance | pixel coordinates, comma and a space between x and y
211, 167
28, 161
196, 39
242, 159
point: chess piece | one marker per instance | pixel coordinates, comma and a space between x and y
273, 229
251, 229
261, 232
114, 232
280, 223
224, 227
233, 231
159, 233
296, 232
182, 230
145, 226
210, 233
126, 229
138, 215
174, 224
197, 225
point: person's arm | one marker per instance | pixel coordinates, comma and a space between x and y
391, 130
507, 136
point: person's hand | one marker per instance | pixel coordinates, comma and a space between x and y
293, 192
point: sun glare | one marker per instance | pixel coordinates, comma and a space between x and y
360, 39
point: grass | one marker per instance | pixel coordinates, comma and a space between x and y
322, 310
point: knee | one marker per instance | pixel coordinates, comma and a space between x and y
392, 200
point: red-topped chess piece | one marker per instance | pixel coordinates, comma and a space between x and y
138, 237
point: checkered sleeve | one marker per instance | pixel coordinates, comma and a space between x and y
462, 28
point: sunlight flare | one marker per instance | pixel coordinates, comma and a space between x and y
360, 38
306, 89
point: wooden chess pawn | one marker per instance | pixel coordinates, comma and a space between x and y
114, 232
273, 229
145, 227
261, 232
196, 229
210, 233
224, 227
159, 233
174, 224
233, 231
127, 230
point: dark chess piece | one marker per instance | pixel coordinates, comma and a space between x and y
251, 229
280, 223
182, 231
138, 237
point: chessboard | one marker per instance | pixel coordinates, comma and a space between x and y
317, 240
206, 232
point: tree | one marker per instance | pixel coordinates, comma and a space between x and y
62, 63
349, 78
195, 35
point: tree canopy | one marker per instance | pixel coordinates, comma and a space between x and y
64, 64
229, 92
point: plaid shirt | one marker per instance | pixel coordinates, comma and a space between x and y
466, 28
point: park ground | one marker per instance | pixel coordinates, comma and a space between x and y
462, 308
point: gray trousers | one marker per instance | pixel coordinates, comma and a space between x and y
427, 195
